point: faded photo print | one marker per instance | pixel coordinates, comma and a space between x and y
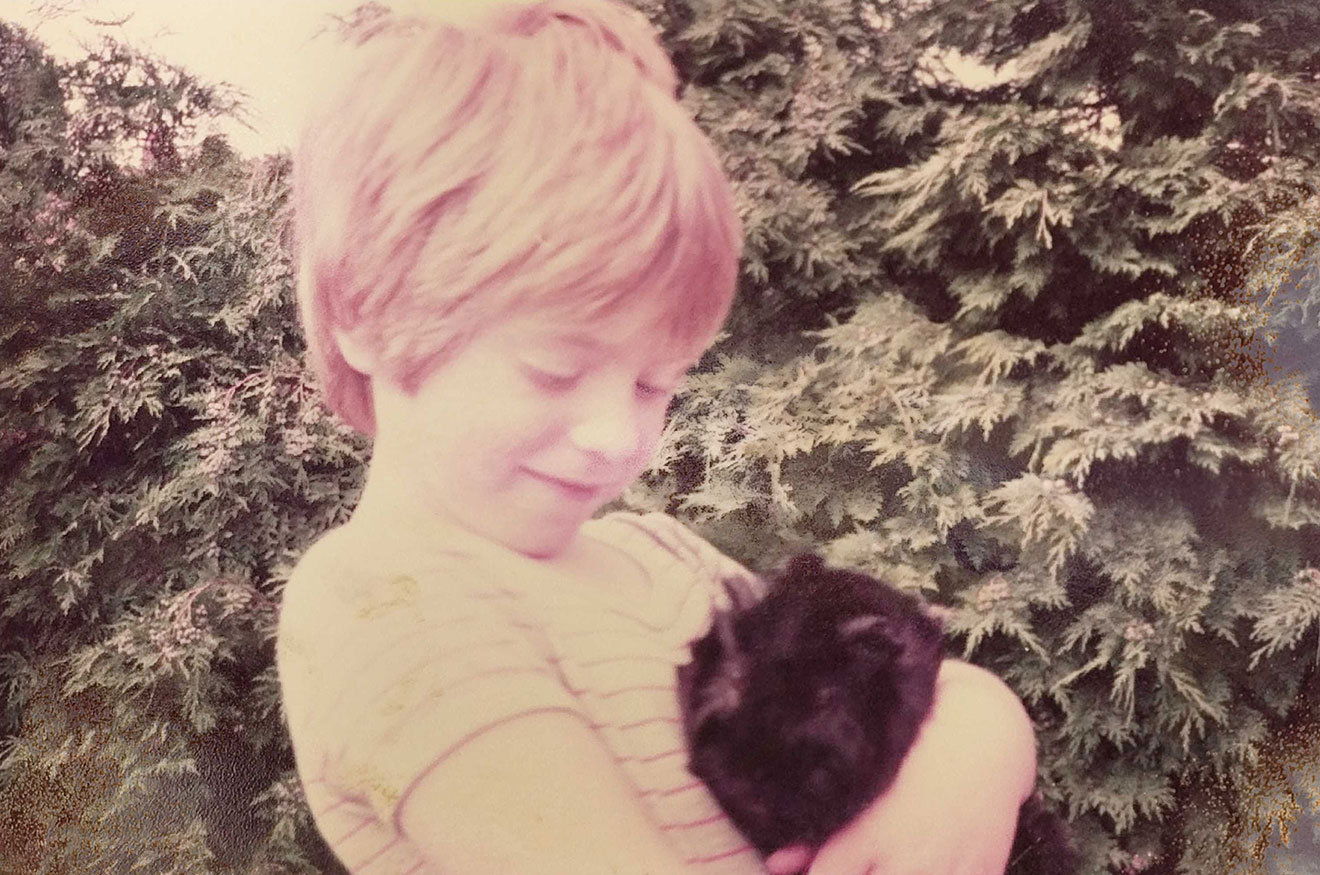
660, 437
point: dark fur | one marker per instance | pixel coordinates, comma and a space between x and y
799, 709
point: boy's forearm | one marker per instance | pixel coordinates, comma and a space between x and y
973, 764
977, 719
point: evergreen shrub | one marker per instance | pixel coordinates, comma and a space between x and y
1002, 342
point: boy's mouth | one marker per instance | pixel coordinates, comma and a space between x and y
569, 488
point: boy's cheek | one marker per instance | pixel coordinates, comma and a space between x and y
645, 453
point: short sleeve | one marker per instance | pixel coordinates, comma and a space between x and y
385, 675
713, 568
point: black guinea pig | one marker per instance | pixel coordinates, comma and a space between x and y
799, 708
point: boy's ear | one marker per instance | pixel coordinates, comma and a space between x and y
357, 353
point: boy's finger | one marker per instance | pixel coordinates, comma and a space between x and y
788, 861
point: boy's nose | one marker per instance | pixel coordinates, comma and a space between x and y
610, 432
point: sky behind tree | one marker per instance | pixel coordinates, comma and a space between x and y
277, 52
269, 49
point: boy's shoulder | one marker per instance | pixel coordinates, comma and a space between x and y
660, 529
343, 581
348, 556
668, 536
331, 571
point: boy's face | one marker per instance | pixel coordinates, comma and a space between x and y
529, 428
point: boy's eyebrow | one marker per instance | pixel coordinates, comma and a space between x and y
577, 338
592, 342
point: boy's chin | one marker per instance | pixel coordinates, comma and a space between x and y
541, 549
538, 539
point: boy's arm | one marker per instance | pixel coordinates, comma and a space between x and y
953, 808
536, 795
447, 719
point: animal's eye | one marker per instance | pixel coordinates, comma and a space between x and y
871, 623
709, 731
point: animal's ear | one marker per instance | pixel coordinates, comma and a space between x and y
803, 565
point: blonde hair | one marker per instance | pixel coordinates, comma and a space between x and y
531, 156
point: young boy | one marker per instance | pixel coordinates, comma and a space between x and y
513, 243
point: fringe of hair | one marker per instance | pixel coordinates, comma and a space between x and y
531, 156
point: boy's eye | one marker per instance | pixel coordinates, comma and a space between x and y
552, 379
652, 390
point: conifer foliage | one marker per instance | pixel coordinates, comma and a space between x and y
999, 340
164, 458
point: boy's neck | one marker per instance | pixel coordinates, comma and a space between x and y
386, 519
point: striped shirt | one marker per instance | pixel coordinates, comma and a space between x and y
388, 665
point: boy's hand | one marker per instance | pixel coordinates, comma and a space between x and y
953, 808
789, 861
